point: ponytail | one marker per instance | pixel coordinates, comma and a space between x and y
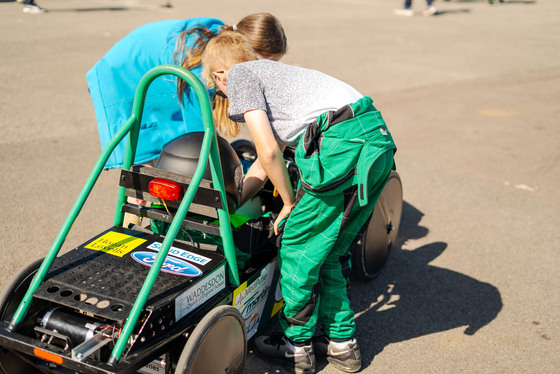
192, 59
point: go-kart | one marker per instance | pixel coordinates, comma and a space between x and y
169, 297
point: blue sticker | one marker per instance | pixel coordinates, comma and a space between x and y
170, 265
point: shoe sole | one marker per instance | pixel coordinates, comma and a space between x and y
338, 364
285, 365
294, 371
26, 10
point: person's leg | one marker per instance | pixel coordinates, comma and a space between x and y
335, 313
305, 244
308, 236
406, 10
430, 8
316, 236
29, 6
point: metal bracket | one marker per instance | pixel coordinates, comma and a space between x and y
92, 345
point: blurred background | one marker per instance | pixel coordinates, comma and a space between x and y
471, 96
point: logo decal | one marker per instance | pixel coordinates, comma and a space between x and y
250, 298
202, 291
115, 243
170, 265
182, 254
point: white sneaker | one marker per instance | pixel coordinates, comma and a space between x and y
33, 9
345, 355
296, 359
430, 11
404, 12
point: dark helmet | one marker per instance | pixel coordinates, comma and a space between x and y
181, 156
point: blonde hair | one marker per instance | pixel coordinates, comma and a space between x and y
222, 52
264, 33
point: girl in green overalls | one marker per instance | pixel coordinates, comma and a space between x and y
344, 152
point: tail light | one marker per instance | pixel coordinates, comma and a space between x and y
165, 189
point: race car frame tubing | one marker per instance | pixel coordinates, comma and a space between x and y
209, 153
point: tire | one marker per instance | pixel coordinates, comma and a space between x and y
10, 298
218, 344
374, 243
16, 287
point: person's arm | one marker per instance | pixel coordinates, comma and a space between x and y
253, 182
271, 161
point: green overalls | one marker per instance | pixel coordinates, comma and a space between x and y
345, 159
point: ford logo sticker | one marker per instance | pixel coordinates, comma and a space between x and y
170, 265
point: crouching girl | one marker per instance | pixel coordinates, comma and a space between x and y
344, 152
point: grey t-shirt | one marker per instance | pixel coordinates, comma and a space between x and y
293, 97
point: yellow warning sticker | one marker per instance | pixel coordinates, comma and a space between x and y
115, 243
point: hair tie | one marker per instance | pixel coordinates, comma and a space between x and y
234, 27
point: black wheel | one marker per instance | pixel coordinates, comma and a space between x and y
373, 245
10, 297
16, 287
218, 344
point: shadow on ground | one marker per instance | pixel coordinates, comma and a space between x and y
494, 2
412, 298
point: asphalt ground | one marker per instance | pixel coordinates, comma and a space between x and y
471, 97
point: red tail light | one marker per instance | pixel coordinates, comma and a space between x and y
165, 189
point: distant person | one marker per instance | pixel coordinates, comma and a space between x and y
30, 7
408, 11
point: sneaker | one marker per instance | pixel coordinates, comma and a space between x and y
296, 359
430, 11
404, 12
343, 355
32, 8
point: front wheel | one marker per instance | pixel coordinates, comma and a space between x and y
218, 344
374, 244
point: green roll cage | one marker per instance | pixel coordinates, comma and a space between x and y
209, 153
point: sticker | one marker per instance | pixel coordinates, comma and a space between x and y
253, 324
200, 292
182, 254
170, 265
250, 299
276, 307
278, 300
115, 243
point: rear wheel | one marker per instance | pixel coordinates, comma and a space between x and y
374, 244
218, 344
10, 298
14, 290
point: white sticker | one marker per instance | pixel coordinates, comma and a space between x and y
250, 299
200, 292
182, 254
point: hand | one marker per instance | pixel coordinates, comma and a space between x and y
286, 210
